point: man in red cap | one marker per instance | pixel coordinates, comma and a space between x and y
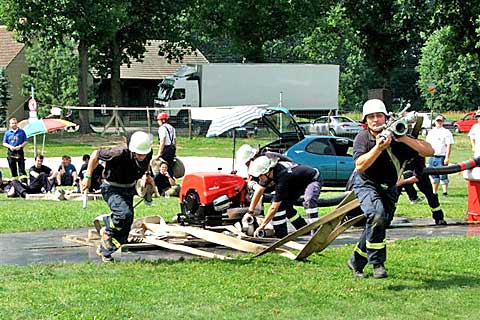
167, 140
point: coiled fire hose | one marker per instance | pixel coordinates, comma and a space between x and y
453, 168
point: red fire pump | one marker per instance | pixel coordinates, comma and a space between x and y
206, 196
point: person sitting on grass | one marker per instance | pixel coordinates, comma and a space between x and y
41, 180
166, 184
67, 173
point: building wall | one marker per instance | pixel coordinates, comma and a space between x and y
14, 72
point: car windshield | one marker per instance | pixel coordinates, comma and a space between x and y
165, 89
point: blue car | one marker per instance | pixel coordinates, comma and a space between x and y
329, 154
326, 153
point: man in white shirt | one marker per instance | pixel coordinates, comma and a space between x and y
474, 135
441, 140
167, 141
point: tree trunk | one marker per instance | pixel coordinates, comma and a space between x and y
115, 84
83, 86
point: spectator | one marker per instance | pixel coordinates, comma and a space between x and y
67, 173
441, 140
96, 175
14, 140
41, 180
165, 183
474, 135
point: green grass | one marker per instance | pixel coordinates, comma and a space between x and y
76, 145
429, 279
32, 215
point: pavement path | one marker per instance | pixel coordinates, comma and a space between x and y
45, 247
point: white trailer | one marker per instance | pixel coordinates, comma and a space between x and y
301, 88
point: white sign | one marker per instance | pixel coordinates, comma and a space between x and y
32, 104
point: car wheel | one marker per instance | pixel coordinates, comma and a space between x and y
332, 132
456, 129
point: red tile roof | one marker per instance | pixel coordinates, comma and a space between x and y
155, 66
9, 48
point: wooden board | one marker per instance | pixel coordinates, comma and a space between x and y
182, 248
319, 241
220, 239
345, 206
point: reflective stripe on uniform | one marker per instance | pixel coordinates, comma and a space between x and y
116, 243
278, 222
112, 226
295, 217
359, 251
377, 246
280, 214
311, 210
436, 209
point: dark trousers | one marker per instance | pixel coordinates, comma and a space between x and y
378, 205
16, 162
38, 185
286, 212
425, 187
168, 154
118, 223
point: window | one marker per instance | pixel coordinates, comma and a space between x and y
320, 146
178, 94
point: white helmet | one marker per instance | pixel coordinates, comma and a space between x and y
373, 106
261, 165
140, 142
245, 153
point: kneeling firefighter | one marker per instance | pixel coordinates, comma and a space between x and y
123, 166
290, 181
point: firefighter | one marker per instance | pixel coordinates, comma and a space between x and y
378, 162
414, 174
290, 181
123, 166
167, 141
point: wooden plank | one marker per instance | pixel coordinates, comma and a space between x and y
186, 249
319, 241
341, 229
347, 205
220, 239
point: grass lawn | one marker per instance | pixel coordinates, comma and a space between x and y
429, 279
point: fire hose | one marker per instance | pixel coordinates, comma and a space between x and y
453, 168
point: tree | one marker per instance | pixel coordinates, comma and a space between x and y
136, 23
453, 74
392, 31
53, 73
249, 24
335, 41
4, 95
86, 21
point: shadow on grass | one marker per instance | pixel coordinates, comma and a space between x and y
464, 281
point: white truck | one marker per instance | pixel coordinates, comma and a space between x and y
302, 88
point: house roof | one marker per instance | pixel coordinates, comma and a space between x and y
9, 48
155, 66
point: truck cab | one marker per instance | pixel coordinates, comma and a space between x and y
177, 93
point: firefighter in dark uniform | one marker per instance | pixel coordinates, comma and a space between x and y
290, 181
414, 174
123, 167
378, 162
